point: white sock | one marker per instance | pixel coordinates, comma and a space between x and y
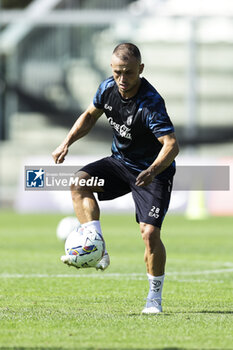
156, 286
95, 224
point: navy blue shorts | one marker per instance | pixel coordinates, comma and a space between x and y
151, 201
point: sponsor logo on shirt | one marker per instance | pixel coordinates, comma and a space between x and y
122, 130
106, 106
129, 120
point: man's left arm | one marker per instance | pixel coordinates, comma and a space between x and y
165, 157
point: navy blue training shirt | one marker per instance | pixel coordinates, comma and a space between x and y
136, 122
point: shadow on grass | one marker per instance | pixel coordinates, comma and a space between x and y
217, 312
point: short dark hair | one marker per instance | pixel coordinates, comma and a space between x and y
127, 50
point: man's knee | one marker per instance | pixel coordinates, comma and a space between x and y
150, 234
78, 186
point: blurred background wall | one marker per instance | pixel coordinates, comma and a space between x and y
54, 54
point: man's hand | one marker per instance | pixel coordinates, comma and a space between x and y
60, 153
145, 177
167, 154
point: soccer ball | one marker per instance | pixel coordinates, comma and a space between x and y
87, 245
66, 226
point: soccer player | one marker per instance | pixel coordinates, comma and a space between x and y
142, 162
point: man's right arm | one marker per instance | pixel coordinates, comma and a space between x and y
80, 128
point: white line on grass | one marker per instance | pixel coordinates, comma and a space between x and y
114, 275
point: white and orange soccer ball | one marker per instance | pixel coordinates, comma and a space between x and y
86, 246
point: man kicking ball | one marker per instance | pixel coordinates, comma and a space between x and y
142, 162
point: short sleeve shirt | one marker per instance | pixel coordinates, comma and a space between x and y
137, 123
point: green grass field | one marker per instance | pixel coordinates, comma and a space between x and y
46, 305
